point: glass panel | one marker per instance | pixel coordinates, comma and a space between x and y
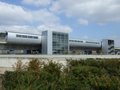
60, 43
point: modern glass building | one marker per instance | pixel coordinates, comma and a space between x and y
108, 46
55, 42
60, 43
51, 42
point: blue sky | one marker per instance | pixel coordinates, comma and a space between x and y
83, 19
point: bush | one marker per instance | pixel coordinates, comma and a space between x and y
90, 74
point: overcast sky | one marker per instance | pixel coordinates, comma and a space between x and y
83, 19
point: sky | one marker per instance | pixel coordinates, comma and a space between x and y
83, 19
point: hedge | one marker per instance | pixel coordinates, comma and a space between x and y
90, 74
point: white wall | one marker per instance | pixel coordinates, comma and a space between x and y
7, 61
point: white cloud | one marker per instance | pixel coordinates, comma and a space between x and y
55, 7
16, 18
37, 2
12, 14
83, 22
56, 27
45, 17
34, 30
17, 15
18, 28
98, 11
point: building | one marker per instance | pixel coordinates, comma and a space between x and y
51, 42
84, 47
108, 46
117, 50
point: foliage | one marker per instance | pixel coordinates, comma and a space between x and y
90, 74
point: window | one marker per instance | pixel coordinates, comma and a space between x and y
92, 42
29, 36
18, 36
35, 37
76, 41
25, 36
60, 43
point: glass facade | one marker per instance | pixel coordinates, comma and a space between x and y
60, 43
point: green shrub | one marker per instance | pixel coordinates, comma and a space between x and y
90, 74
